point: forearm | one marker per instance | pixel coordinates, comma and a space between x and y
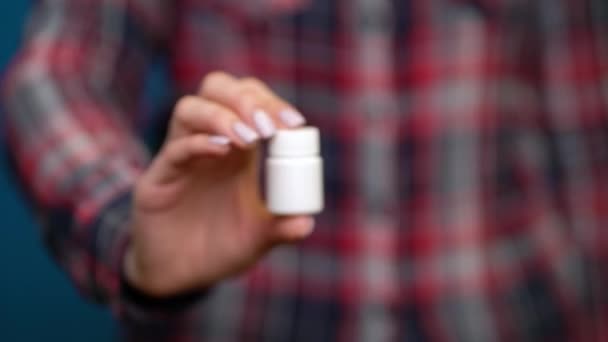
74, 182
71, 135
71, 98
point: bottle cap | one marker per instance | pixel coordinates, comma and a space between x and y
297, 142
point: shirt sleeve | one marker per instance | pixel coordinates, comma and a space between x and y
71, 98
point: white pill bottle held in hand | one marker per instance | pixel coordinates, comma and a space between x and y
294, 172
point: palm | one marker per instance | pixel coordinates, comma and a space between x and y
213, 211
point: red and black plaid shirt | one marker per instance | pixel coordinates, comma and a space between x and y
466, 149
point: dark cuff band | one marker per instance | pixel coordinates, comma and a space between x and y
179, 302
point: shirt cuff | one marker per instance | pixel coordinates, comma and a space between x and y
162, 305
137, 310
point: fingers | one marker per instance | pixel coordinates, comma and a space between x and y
252, 101
243, 110
281, 111
291, 229
177, 153
197, 115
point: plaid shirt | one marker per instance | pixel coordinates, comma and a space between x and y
466, 149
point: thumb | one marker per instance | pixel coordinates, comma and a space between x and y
290, 229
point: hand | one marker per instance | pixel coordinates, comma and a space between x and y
198, 216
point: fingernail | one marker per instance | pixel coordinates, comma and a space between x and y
264, 123
245, 133
219, 140
291, 118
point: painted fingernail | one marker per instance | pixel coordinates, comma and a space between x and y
264, 123
219, 140
291, 118
247, 134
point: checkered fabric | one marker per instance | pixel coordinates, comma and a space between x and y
466, 150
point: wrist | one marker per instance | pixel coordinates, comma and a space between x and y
143, 280
153, 299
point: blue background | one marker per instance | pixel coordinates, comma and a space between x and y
37, 302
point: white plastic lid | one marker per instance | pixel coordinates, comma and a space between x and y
297, 142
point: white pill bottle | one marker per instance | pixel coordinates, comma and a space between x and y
294, 172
